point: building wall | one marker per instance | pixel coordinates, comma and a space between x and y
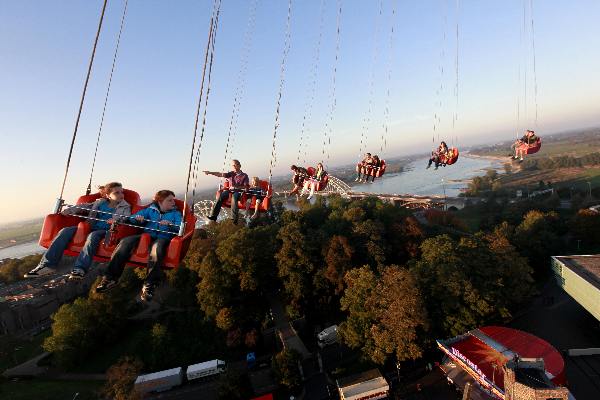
578, 288
517, 391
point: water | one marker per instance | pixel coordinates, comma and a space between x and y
21, 250
415, 179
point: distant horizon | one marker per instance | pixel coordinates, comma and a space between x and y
206, 188
477, 74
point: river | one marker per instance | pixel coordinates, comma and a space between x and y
415, 179
21, 250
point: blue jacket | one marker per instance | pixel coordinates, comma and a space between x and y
153, 214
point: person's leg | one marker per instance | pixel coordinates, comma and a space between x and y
86, 255
256, 207
234, 206
217, 207
121, 255
54, 254
158, 250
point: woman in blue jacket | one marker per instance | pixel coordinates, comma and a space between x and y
161, 220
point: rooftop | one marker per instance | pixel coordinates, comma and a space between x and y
586, 266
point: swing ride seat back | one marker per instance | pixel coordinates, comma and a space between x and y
452, 159
243, 200
322, 184
53, 223
177, 249
372, 171
531, 148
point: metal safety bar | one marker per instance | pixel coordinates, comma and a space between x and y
119, 216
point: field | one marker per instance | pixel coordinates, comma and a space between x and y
14, 234
574, 144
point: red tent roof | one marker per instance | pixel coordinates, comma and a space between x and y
490, 347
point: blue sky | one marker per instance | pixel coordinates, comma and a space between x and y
148, 126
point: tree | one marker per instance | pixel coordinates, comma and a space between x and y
285, 368
13, 269
386, 315
215, 287
338, 259
585, 226
120, 378
470, 282
538, 236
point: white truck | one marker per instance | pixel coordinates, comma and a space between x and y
327, 336
159, 381
206, 369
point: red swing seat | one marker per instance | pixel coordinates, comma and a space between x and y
530, 148
177, 249
322, 184
444, 159
243, 200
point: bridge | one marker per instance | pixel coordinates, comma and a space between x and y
338, 187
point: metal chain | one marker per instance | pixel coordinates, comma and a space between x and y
112, 70
535, 87
311, 90
328, 129
437, 116
241, 80
456, 65
367, 118
386, 116
286, 50
87, 79
210, 65
191, 163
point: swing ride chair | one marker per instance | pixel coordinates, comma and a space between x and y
373, 170
445, 160
322, 184
265, 204
530, 148
176, 250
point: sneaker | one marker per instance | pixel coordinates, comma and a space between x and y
212, 218
38, 271
357, 180
77, 274
521, 159
309, 197
147, 292
429, 166
436, 167
105, 285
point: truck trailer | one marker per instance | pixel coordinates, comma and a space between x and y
205, 369
159, 381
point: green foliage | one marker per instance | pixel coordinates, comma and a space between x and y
13, 269
482, 184
471, 281
386, 315
585, 226
285, 369
80, 327
120, 378
232, 385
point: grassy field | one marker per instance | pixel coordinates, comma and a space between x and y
15, 351
40, 389
20, 233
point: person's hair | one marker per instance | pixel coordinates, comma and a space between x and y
236, 162
256, 180
321, 164
368, 154
293, 168
163, 194
376, 157
444, 143
107, 189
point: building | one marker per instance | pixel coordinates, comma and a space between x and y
492, 359
366, 385
579, 276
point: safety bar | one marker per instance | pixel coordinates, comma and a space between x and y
122, 216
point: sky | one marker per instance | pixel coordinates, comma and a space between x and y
149, 121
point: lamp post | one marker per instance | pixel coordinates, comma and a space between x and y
590, 189
444, 188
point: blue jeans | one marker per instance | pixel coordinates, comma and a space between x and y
53, 255
234, 204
